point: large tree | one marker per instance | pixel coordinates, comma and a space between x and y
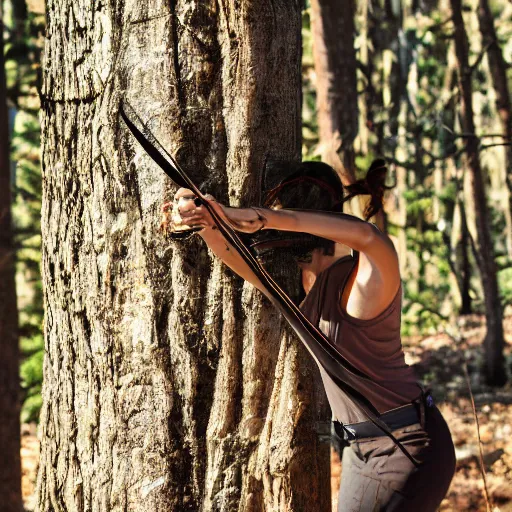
10, 465
475, 187
169, 385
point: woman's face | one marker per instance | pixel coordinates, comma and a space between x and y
305, 259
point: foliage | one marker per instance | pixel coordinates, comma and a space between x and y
22, 54
505, 284
409, 107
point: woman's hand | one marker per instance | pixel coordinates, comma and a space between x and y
185, 213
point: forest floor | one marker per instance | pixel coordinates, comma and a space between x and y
440, 361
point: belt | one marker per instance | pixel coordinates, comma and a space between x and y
395, 419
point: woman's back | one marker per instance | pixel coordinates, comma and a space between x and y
373, 346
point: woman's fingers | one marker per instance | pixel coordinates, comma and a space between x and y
194, 216
187, 210
184, 192
196, 220
167, 206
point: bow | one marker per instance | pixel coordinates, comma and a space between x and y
344, 374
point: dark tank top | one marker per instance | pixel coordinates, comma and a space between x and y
373, 346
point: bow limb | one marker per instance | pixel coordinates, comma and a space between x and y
336, 365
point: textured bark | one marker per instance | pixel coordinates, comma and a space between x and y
168, 385
498, 68
332, 25
475, 187
10, 464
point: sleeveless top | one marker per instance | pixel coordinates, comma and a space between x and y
373, 346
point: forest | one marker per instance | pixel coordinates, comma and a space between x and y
139, 372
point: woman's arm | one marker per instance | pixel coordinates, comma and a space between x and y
377, 276
378, 272
189, 214
338, 227
342, 228
375, 281
229, 255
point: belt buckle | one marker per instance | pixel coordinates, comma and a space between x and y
426, 402
350, 433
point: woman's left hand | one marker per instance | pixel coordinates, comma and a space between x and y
187, 213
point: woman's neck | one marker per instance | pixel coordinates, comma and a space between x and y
320, 262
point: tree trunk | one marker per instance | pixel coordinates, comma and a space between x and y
474, 184
498, 68
10, 464
332, 29
168, 385
459, 241
332, 26
465, 308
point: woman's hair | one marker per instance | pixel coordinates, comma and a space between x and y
310, 185
317, 186
373, 185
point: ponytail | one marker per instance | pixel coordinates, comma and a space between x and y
372, 184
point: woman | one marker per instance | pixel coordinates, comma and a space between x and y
351, 278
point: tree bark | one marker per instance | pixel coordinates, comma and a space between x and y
475, 187
465, 308
10, 463
498, 68
459, 242
332, 26
168, 385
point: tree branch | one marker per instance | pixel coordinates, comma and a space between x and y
480, 57
472, 135
487, 146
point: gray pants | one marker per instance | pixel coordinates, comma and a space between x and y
377, 476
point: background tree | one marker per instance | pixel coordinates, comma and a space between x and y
23, 47
10, 469
498, 69
332, 27
494, 341
168, 384
408, 110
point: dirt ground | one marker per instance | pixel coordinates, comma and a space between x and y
440, 361
29, 464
